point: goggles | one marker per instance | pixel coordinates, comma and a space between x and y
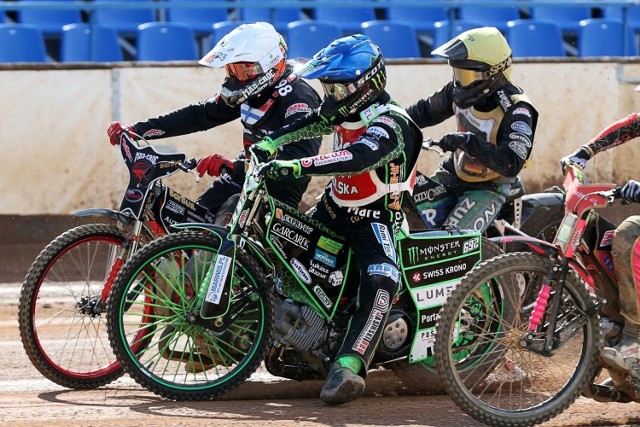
242, 72
464, 78
338, 91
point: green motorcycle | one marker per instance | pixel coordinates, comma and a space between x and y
192, 315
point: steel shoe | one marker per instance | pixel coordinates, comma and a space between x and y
624, 356
341, 386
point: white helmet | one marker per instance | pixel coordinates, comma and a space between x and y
254, 57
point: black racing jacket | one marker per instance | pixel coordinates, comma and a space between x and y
514, 138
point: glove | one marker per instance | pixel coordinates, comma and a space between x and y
631, 191
453, 141
332, 112
578, 158
264, 150
215, 165
277, 169
116, 129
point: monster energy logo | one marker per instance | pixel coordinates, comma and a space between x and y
413, 253
344, 111
378, 80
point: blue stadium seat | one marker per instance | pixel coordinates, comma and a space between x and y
349, 19
279, 17
531, 38
165, 41
220, 29
566, 17
605, 37
446, 30
199, 19
421, 18
396, 39
125, 21
77, 45
50, 21
490, 16
305, 37
21, 43
632, 16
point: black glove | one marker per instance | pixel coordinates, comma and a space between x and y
453, 141
578, 158
631, 191
264, 150
333, 112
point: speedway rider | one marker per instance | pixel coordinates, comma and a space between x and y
623, 304
496, 125
262, 91
376, 146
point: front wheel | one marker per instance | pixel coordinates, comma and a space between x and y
538, 382
157, 333
60, 314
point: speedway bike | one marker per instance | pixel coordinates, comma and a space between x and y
64, 294
193, 314
557, 291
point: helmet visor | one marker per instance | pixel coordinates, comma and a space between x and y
338, 91
243, 71
463, 78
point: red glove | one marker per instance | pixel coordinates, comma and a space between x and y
116, 129
215, 165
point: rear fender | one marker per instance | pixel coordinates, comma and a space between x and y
109, 213
538, 246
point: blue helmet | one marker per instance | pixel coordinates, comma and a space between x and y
351, 70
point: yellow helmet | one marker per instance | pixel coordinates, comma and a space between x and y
481, 60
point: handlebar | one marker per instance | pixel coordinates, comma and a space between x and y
613, 194
433, 145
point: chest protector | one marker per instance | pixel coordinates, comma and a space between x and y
367, 187
254, 119
485, 126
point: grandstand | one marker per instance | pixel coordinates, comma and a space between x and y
415, 27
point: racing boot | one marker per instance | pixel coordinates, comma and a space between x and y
341, 386
625, 355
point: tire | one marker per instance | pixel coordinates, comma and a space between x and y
531, 388
62, 328
421, 377
152, 324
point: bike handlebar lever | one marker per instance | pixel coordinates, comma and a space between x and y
433, 145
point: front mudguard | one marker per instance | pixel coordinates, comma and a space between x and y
215, 295
109, 213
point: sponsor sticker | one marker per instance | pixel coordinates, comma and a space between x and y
218, 279
521, 127
523, 111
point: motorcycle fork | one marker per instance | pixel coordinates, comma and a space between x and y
553, 285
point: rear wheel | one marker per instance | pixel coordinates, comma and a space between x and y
422, 377
60, 315
154, 301
538, 383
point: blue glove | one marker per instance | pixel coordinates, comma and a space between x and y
278, 169
264, 150
631, 191
453, 141
578, 158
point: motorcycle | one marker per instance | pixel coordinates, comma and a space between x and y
536, 214
64, 293
546, 320
193, 314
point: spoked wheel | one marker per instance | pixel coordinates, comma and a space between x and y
61, 319
422, 377
535, 383
184, 357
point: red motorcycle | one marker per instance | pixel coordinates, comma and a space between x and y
545, 318
64, 294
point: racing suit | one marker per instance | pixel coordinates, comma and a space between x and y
479, 176
289, 99
372, 165
626, 241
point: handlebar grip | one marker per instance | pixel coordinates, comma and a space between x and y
190, 164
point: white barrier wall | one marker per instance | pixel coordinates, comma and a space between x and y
57, 158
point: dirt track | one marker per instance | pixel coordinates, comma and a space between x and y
27, 399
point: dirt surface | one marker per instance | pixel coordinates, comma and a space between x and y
28, 399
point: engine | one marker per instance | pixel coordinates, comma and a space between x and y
298, 326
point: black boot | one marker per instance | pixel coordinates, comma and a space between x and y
341, 386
